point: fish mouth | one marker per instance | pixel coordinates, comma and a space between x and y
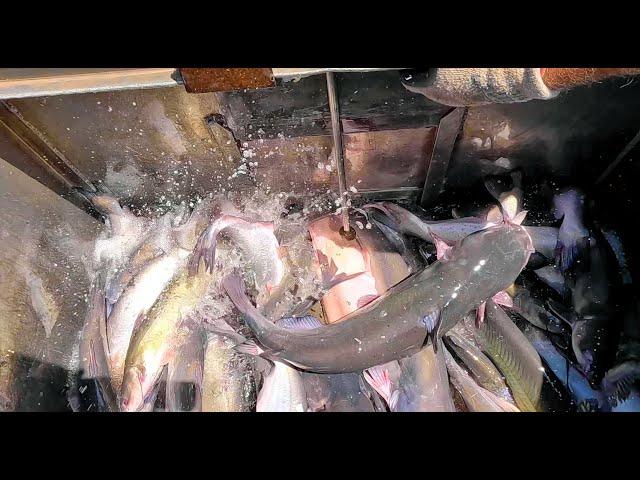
620, 380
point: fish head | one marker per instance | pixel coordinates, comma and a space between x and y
132, 398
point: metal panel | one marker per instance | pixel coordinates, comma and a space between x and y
391, 159
46, 242
374, 101
445, 141
204, 80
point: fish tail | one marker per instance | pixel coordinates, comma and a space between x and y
568, 248
621, 380
378, 378
234, 286
205, 249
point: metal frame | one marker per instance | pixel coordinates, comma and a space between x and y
446, 136
57, 172
40, 82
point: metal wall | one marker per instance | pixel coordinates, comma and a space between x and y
46, 242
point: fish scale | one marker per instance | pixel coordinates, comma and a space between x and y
513, 354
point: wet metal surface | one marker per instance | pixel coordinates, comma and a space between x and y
144, 145
46, 242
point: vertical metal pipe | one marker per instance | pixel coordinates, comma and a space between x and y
338, 151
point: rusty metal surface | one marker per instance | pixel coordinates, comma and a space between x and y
446, 135
391, 159
206, 80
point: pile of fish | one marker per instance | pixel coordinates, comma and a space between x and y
212, 310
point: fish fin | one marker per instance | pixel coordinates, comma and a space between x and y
613, 239
495, 186
234, 286
307, 322
365, 300
393, 401
569, 247
443, 249
108, 307
503, 404
391, 220
249, 348
509, 202
588, 405
480, 312
494, 215
424, 253
205, 250
93, 364
330, 282
619, 381
219, 326
503, 298
139, 320
518, 218
378, 206
432, 323
301, 309
560, 311
378, 378
455, 213
323, 260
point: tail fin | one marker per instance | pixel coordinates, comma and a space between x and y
234, 286
510, 201
378, 378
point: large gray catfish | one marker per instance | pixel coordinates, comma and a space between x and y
544, 239
404, 319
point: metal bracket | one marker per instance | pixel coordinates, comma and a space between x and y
446, 136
